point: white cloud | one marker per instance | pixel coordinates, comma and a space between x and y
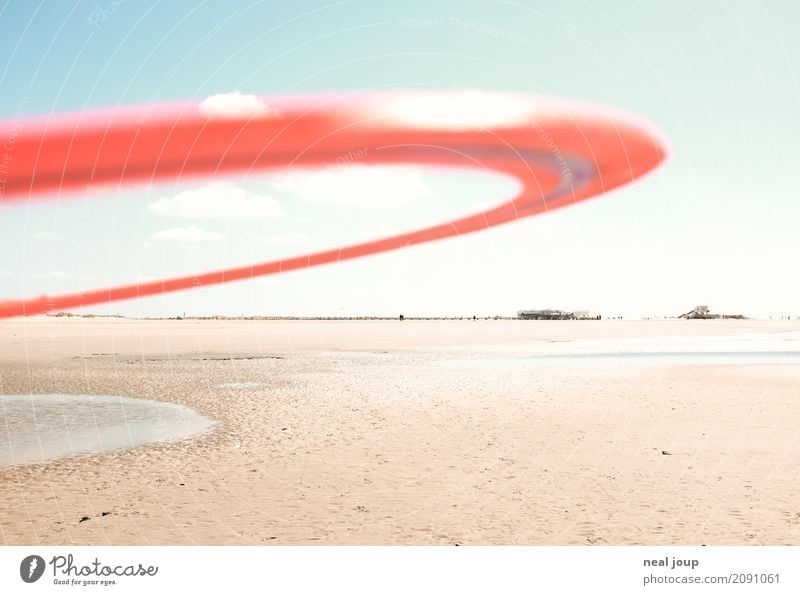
293, 237
186, 234
235, 105
460, 110
486, 205
357, 185
218, 200
46, 236
5, 273
62, 276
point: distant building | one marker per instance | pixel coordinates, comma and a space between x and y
703, 313
550, 314
698, 312
545, 315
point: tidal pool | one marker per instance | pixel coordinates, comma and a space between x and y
39, 428
616, 359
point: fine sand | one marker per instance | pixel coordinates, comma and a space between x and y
351, 433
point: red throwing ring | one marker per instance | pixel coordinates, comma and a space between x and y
561, 152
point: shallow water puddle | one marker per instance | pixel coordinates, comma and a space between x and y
646, 358
39, 428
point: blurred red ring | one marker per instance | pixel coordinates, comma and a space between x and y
562, 152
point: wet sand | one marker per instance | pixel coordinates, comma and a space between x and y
349, 433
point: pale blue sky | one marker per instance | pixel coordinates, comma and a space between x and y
717, 224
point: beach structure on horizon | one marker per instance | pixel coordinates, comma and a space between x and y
703, 313
549, 314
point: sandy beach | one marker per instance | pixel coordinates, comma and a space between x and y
379, 432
